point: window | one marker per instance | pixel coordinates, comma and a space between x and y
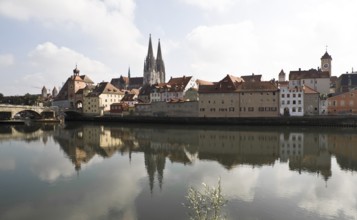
294, 95
288, 95
294, 109
250, 109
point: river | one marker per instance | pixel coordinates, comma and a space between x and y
144, 171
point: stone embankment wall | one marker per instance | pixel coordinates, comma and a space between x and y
330, 121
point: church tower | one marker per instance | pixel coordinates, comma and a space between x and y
149, 66
160, 66
154, 69
282, 76
44, 92
326, 63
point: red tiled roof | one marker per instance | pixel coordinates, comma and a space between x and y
136, 81
308, 74
256, 78
308, 90
128, 97
227, 84
106, 88
203, 82
257, 86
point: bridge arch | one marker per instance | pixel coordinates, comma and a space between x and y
27, 113
8, 112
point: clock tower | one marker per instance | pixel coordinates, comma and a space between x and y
326, 63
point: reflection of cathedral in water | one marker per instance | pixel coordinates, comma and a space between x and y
306, 151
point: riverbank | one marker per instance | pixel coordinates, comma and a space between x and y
12, 122
26, 121
328, 121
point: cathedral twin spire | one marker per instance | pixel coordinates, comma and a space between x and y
154, 69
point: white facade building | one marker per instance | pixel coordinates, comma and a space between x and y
292, 101
175, 89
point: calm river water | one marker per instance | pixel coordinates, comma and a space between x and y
109, 171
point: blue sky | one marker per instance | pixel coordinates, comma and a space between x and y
42, 41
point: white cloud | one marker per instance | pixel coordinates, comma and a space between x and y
109, 23
52, 64
6, 60
211, 5
222, 49
336, 198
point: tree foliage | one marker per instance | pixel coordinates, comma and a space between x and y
26, 99
206, 203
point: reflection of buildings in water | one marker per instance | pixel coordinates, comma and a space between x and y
27, 133
344, 147
239, 147
306, 152
302, 150
291, 145
102, 137
71, 142
176, 144
81, 144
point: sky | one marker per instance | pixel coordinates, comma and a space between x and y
42, 41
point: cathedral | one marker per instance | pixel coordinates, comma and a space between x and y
154, 69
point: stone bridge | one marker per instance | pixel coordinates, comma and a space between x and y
8, 112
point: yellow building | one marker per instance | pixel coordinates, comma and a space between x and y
219, 99
232, 97
99, 100
258, 99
